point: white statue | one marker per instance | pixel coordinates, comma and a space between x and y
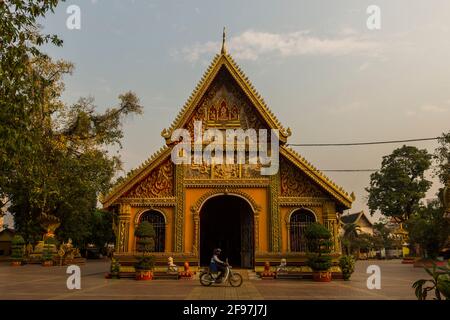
171, 267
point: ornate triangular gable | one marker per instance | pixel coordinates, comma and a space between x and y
253, 113
224, 63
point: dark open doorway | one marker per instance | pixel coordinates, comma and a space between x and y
226, 222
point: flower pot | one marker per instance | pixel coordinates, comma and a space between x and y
144, 275
47, 263
322, 276
115, 275
16, 263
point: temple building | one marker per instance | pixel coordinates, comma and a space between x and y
195, 208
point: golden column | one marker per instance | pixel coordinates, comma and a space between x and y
196, 240
256, 227
123, 227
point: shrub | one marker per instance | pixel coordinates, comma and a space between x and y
115, 266
347, 264
145, 243
18, 249
319, 262
319, 244
145, 234
47, 254
145, 263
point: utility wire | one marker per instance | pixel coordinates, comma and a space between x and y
356, 143
349, 170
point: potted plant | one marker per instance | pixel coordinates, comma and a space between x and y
18, 250
145, 234
319, 244
115, 269
47, 254
347, 264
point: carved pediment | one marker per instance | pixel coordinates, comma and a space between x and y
295, 183
158, 183
224, 105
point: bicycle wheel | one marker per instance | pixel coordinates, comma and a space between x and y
206, 279
235, 280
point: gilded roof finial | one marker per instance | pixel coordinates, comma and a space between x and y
223, 50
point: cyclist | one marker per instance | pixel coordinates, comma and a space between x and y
217, 265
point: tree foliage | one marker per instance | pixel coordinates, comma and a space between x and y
53, 156
442, 157
430, 229
397, 188
20, 38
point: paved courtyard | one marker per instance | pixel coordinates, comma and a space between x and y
37, 282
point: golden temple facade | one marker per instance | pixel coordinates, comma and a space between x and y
198, 207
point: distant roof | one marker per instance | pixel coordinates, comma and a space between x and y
354, 217
7, 230
350, 218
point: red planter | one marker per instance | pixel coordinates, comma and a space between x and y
322, 276
16, 263
47, 263
144, 275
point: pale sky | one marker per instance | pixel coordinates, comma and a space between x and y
317, 65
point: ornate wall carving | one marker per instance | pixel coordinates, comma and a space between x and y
294, 183
275, 212
223, 171
159, 183
224, 105
179, 209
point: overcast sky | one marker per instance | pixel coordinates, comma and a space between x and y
317, 65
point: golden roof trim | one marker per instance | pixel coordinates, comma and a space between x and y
138, 173
337, 191
236, 72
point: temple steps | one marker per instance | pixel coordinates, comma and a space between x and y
247, 274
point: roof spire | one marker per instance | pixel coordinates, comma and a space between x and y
223, 50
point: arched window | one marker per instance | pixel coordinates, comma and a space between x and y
298, 222
158, 222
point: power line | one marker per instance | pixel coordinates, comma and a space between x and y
349, 170
357, 143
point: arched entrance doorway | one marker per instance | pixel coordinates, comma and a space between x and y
226, 222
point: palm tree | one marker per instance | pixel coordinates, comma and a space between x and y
351, 231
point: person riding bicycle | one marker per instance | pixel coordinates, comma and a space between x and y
217, 264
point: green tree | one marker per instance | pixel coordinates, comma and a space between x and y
351, 231
397, 188
20, 39
442, 157
383, 237
430, 229
67, 165
53, 158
